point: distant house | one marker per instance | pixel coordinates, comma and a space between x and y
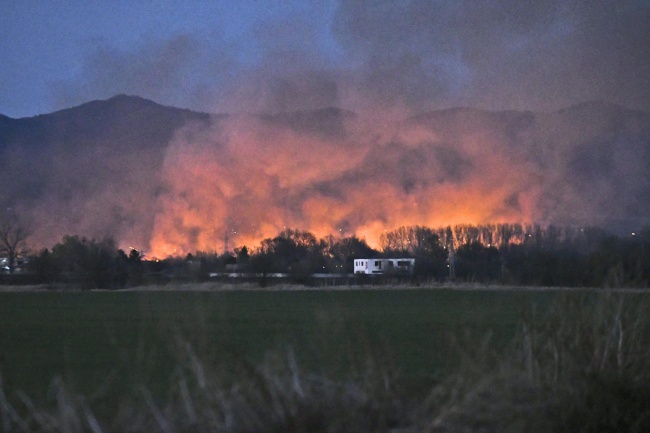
384, 266
20, 264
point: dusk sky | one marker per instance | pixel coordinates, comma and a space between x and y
234, 56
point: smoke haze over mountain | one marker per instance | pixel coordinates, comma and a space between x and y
249, 56
340, 116
172, 181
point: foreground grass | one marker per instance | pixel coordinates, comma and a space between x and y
572, 362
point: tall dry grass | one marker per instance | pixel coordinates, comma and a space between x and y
582, 367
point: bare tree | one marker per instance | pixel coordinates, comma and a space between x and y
13, 241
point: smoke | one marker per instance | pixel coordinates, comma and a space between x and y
348, 142
250, 175
417, 55
334, 172
497, 55
178, 71
170, 181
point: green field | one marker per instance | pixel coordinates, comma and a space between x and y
87, 336
103, 345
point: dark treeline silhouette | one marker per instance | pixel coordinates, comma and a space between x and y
510, 254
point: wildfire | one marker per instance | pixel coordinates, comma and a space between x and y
331, 172
261, 177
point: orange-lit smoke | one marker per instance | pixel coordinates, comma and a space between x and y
332, 172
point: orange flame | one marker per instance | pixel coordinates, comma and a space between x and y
252, 177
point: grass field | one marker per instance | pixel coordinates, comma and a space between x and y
86, 336
102, 344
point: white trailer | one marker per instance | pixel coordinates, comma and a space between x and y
384, 266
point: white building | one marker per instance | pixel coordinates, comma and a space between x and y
384, 266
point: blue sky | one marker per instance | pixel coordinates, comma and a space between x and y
285, 55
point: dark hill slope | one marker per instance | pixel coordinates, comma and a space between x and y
59, 167
126, 122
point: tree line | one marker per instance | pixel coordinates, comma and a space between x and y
501, 253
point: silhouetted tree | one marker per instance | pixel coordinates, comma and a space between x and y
421, 243
344, 251
242, 256
44, 267
136, 267
121, 268
13, 240
410, 241
294, 251
91, 263
262, 263
477, 262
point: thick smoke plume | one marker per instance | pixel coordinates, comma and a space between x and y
358, 55
334, 172
171, 181
391, 154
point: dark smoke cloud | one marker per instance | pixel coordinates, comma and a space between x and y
501, 54
179, 71
393, 163
259, 174
416, 54
171, 181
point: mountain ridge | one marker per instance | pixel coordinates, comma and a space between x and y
134, 100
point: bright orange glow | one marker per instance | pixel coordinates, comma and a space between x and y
256, 177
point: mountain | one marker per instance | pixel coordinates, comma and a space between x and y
170, 180
91, 161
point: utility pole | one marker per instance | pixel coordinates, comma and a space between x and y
451, 255
226, 239
452, 262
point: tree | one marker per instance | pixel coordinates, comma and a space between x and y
136, 267
421, 243
44, 267
410, 241
92, 263
13, 241
261, 263
476, 262
242, 256
294, 251
345, 251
